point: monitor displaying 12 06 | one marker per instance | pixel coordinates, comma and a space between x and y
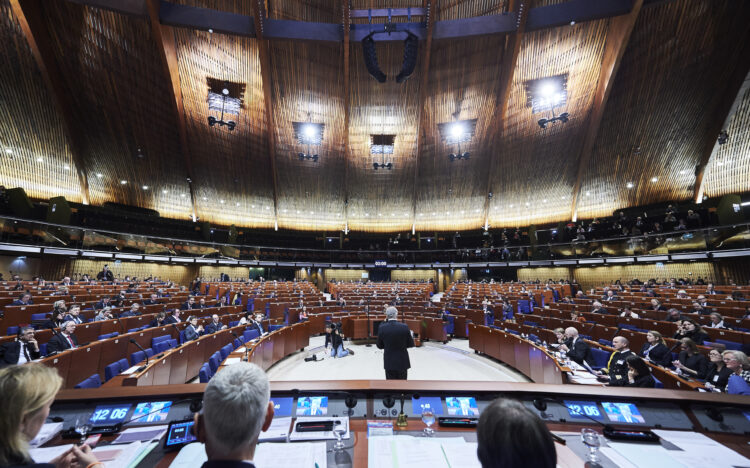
107, 415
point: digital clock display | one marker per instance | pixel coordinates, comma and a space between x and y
582, 409
109, 414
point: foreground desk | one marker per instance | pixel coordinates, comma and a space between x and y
668, 409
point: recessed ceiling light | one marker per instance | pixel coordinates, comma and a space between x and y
123, 182
145, 187
165, 191
39, 160
8, 150
654, 179
367, 214
182, 195
204, 198
221, 201
237, 204
66, 167
545, 200
476, 211
719, 163
283, 211
462, 211
297, 211
511, 205
527, 203
312, 212
380, 214
421, 214
588, 193
682, 172
98, 175
629, 185
268, 207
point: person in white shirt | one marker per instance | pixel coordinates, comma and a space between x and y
24, 349
717, 321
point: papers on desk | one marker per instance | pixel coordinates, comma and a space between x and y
46, 454
131, 370
232, 360
583, 378
404, 451
699, 449
48, 431
303, 454
141, 434
319, 435
124, 455
278, 432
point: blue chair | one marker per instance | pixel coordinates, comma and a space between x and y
133, 330
92, 382
555, 295
182, 337
112, 370
534, 338
173, 343
214, 361
233, 323
275, 327
601, 358
123, 364
149, 352
523, 306
236, 344
657, 383
737, 385
605, 342
160, 347
531, 324
514, 332
250, 335
103, 337
38, 317
586, 337
160, 339
733, 345
43, 349
137, 357
225, 350
12, 330
205, 373
451, 328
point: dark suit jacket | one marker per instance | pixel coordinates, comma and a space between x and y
101, 305
617, 369
394, 337
18, 302
9, 353
150, 302
186, 306
170, 319
719, 379
211, 328
105, 276
78, 319
580, 351
645, 381
257, 326
660, 354
60, 343
191, 334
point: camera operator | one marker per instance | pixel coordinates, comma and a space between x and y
335, 341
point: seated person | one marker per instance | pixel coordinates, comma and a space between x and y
202, 303
577, 348
560, 335
215, 325
335, 342
24, 349
739, 381
193, 330
222, 302
190, 304
698, 309
28, 392
656, 305
717, 321
610, 296
63, 340
691, 362
639, 373
303, 314
174, 317
132, 312
159, 320
718, 373
598, 308
152, 300
617, 370
673, 315
104, 302
690, 329
56, 320
510, 435
655, 349
246, 319
238, 396
627, 313
577, 317
104, 314
23, 299
74, 315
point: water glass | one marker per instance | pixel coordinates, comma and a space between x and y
590, 439
339, 431
428, 418
83, 427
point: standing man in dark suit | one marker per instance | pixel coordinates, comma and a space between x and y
24, 349
395, 338
105, 274
63, 340
578, 350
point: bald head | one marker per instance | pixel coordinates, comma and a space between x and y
620, 343
571, 332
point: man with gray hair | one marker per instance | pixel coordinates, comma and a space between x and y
236, 408
395, 337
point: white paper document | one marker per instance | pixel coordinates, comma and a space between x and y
277, 455
46, 454
131, 370
701, 450
48, 431
279, 430
119, 456
141, 434
404, 451
232, 360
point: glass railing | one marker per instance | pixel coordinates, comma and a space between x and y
36, 233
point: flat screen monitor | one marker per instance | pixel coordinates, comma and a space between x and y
461, 406
151, 411
312, 406
582, 409
282, 407
108, 415
418, 405
623, 413
179, 433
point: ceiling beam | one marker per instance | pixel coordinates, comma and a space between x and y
618, 37
167, 51
507, 69
29, 15
728, 101
423, 84
345, 21
265, 72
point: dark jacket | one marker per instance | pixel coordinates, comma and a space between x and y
394, 337
213, 328
150, 302
170, 319
696, 362
191, 333
660, 355
227, 464
617, 369
10, 352
105, 276
188, 306
643, 381
580, 351
60, 343
718, 379
334, 338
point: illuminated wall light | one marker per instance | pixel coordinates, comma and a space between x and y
544, 201
511, 205
182, 195
629, 185
204, 198
167, 191
654, 179
237, 204
588, 194
222, 201
145, 187
367, 214
66, 167
123, 182
98, 175
268, 207
39, 160
682, 172
8, 150
719, 163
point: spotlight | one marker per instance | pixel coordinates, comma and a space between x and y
411, 50
211, 120
457, 131
452, 157
723, 137
375, 166
231, 124
371, 58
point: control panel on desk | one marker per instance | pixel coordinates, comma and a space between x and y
389, 405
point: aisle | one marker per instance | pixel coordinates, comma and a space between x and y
433, 361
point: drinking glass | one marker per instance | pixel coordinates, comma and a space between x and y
428, 417
339, 431
590, 439
83, 427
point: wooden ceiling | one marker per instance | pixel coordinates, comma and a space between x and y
93, 98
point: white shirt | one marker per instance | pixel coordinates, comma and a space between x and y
21, 356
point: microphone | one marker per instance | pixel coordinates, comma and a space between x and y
619, 327
144, 352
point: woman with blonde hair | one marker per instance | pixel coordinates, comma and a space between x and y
27, 394
655, 349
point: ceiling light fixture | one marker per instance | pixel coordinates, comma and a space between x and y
629, 185
547, 94
39, 160
123, 182
145, 187
66, 167
221, 99
654, 179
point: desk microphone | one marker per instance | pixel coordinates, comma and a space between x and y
144, 352
619, 327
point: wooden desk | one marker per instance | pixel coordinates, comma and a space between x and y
275, 346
